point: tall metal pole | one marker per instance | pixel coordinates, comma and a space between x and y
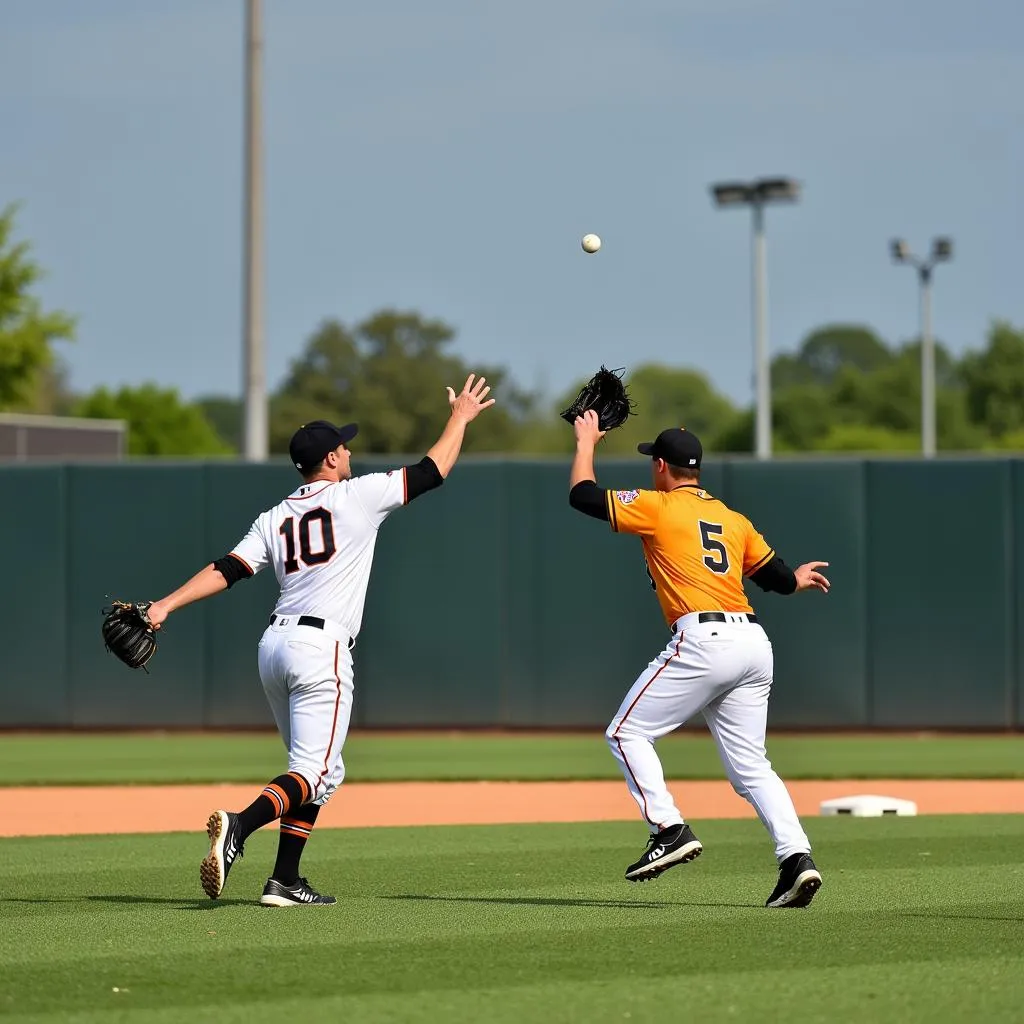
255, 384
762, 367
927, 365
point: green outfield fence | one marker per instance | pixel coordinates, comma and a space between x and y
492, 603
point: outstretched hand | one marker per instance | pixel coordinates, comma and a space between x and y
469, 403
808, 577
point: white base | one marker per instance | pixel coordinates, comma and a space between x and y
868, 806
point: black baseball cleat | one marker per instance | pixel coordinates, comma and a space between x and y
301, 894
225, 846
673, 845
799, 880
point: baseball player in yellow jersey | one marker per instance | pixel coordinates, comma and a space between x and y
718, 661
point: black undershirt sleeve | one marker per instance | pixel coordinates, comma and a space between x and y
591, 500
422, 477
232, 569
775, 576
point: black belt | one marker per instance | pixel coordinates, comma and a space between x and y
718, 617
722, 617
311, 620
302, 620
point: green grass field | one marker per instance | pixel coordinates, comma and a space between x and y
77, 759
920, 919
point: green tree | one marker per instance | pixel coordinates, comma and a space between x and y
828, 350
736, 435
226, 415
858, 437
801, 416
869, 398
1013, 441
159, 422
389, 375
994, 382
26, 331
50, 394
807, 389
890, 399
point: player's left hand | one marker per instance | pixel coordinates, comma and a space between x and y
587, 429
808, 577
471, 401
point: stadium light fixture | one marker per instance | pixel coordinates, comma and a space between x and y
757, 194
942, 252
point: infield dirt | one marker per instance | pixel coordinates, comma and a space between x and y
85, 810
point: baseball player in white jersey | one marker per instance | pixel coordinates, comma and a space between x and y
320, 541
718, 661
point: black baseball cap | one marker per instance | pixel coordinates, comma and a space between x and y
312, 441
677, 446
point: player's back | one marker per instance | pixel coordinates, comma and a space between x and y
697, 549
320, 541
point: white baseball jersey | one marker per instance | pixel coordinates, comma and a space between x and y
320, 540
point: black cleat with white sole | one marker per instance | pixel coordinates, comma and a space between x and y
799, 880
301, 894
671, 846
225, 846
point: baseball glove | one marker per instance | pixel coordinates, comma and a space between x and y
607, 396
128, 634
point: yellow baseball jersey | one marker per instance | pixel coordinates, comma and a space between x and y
697, 549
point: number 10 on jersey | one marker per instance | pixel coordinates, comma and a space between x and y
307, 553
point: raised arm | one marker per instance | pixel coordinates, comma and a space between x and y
381, 493
465, 407
584, 494
588, 434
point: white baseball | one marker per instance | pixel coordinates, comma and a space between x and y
591, 243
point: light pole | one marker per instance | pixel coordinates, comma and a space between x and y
254, 373
942, 250
756, 195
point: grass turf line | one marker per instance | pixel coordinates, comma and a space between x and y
94, 759
919, 919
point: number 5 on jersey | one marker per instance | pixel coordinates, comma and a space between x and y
716, 557
309, 556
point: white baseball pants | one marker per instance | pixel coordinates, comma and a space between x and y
307, 677
723, 669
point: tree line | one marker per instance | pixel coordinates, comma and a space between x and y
845, 388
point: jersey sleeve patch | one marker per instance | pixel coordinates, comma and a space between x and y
634, 511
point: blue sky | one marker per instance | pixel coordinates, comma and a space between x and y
447, 157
